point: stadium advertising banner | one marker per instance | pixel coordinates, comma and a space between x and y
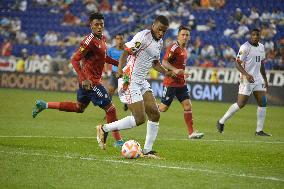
220, 92
30, 66
48, 82
201, 84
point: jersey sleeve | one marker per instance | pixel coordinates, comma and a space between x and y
75, 61
170, 53
242, 53
136, 43
86, 44
110, 60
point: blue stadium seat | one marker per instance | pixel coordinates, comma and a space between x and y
39, 19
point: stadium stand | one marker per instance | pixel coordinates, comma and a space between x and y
218, 27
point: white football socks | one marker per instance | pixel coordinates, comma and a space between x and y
260, 113
233, 108
152, 132
125, 123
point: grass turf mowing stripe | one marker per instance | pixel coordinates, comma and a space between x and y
202, 140
130, 162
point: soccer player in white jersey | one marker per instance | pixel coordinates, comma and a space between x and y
253, 79
141, 53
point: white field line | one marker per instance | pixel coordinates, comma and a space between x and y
146, 165
170, 139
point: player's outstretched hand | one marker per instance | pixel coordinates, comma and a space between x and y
86, 84
250, 78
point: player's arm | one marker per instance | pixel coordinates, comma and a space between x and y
168, 66
121, 62
75, 61
158, 67
111, 61
239, 61
130, 48
170, 57
239, 66
263, 73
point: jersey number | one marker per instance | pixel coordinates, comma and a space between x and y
257, 58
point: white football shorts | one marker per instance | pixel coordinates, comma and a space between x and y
134, 92
247, 88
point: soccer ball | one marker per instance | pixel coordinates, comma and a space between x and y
131, 149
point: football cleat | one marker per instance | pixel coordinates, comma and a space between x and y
39, 106
101, 137
220, 127
261, 133
195, 135
118, 143
151, 154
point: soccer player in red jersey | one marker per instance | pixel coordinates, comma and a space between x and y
175, 58
88, 61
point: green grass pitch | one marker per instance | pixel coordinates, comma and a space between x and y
59, 150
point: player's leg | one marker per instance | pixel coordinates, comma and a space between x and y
111, 91
187, 114
41, 105
137, 118
183, 97
133, 97
188, 118
163, 107
261, 99
112, 85
167, 98
111, 116
79, 106
67, 106
101, 98
244, 92
153, 114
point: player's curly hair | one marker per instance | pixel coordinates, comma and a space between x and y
162, 19
96, 15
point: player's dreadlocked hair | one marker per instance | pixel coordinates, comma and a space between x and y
183, 28
95, 15
162, 19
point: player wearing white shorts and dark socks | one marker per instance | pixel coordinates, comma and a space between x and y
141, 54
252, 80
